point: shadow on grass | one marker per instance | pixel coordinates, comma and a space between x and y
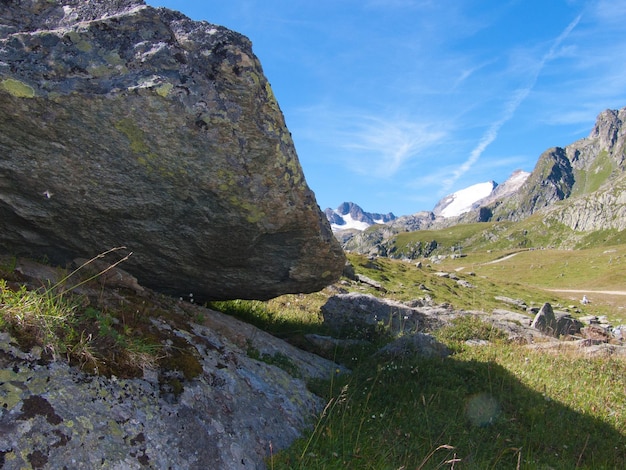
449, 413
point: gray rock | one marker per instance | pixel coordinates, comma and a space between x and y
125, 125
585, 347
56, 416
328, 344
370, 282
556, 325
363, 313
545, 319
515, 302
348, 271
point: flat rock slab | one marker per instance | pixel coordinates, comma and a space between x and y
228, 417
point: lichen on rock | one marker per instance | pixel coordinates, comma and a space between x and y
159, 133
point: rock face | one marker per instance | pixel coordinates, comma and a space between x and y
552, 180
219, 394
125, 125
55, 415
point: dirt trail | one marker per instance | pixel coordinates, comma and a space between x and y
504, 258
581, 291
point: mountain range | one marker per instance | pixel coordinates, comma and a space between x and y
579, 186
350, 216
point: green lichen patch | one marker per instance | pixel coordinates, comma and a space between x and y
135, 135
182, 357
17, 88
164, 89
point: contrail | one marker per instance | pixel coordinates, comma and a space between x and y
511, 106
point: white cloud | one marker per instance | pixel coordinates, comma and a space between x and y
381, 147
611, 12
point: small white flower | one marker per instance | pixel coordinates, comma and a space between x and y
47, 194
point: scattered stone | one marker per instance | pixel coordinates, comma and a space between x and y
348, 271
417, 303
586, 347
596, 332
354, 312
589, 320
108, 275
515, 302
516, 325
370, 282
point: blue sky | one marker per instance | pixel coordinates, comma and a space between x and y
393, 104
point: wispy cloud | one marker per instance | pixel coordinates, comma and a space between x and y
611, 11
466, 73
399, 3
510, 108
381, 147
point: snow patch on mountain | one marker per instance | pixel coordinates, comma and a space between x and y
350, 216
463, 200
350, 223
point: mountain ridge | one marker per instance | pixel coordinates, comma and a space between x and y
579, 186
349, 215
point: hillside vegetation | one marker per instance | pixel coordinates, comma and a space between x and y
500, 405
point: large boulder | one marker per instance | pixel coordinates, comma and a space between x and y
355, 314
126, 125
215, 393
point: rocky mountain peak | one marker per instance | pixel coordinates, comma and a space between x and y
609, 128
578, 170
349, 215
